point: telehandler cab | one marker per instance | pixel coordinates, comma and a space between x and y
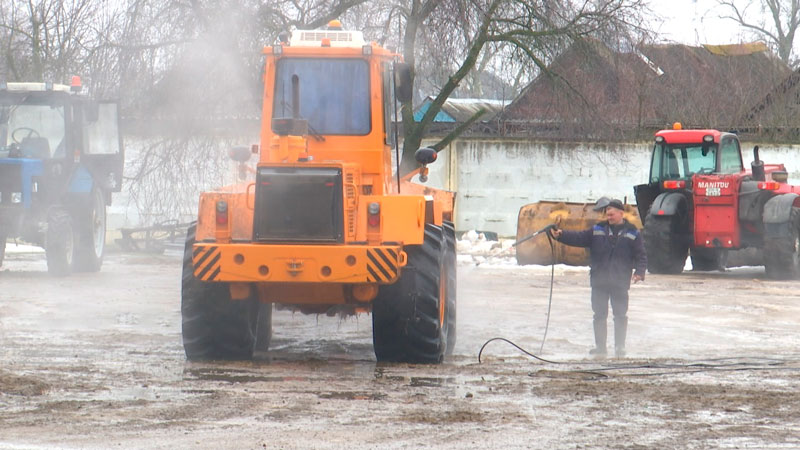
701, 200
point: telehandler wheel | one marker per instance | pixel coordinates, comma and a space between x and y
782, 253
408, 322
91, 233
263, 327
59, 243
708, 259
214, 326
666, 248
451, 268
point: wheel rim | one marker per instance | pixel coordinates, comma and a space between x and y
442, 295
69, 247
98, 224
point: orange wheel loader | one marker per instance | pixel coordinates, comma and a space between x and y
325, 226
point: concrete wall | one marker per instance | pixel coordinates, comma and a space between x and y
494, 178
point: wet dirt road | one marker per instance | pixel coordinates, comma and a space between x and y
95, 361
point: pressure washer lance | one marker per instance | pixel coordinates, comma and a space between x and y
552, 226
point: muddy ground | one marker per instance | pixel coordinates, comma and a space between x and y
95, 361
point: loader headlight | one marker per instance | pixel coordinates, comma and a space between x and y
16, 197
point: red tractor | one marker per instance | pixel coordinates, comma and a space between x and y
701, 201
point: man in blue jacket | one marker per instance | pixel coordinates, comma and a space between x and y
616, 249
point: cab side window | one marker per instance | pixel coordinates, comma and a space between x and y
731, 159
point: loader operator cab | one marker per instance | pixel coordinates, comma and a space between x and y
333, 94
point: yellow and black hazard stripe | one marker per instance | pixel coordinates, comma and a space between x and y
206, 262
382, 264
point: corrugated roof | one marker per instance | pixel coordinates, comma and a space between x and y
593, 89
462, 109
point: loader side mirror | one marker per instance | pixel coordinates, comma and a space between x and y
240, 153
425, 155
403, 89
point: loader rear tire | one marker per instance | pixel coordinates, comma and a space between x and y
213, 325
782, 253
408, 323
59, 244
450, 269
665, 246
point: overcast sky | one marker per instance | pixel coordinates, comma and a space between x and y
694, 22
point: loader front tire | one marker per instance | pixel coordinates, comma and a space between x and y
782, 252
665, 245
409, 323
213, 325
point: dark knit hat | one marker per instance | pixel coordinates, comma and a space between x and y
616, 204
605, 202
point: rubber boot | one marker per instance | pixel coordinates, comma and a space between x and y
620, 331
600, 332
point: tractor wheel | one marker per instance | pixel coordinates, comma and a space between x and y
59, 243
263, 327
3, 238
666, 248
450, 269
708, 259
409, 317
214, 326
91, 233
782, 253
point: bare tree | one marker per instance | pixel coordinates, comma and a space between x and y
534, 29
775, 20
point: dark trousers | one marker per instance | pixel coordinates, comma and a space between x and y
618, 297
600, 299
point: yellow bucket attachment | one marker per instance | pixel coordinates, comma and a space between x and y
568, 216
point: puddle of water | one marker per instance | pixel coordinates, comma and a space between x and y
352, 396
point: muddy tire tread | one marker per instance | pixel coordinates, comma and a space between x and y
57, 252
405, 314
213, 325
781, 253
666, 253
86, 259
451, 271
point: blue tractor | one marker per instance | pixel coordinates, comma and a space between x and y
61, 157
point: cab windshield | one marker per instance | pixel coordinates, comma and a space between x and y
334, 94
680, 161
31, 127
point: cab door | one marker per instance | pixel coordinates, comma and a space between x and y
102, 152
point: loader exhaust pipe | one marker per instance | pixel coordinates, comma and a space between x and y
295, 97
